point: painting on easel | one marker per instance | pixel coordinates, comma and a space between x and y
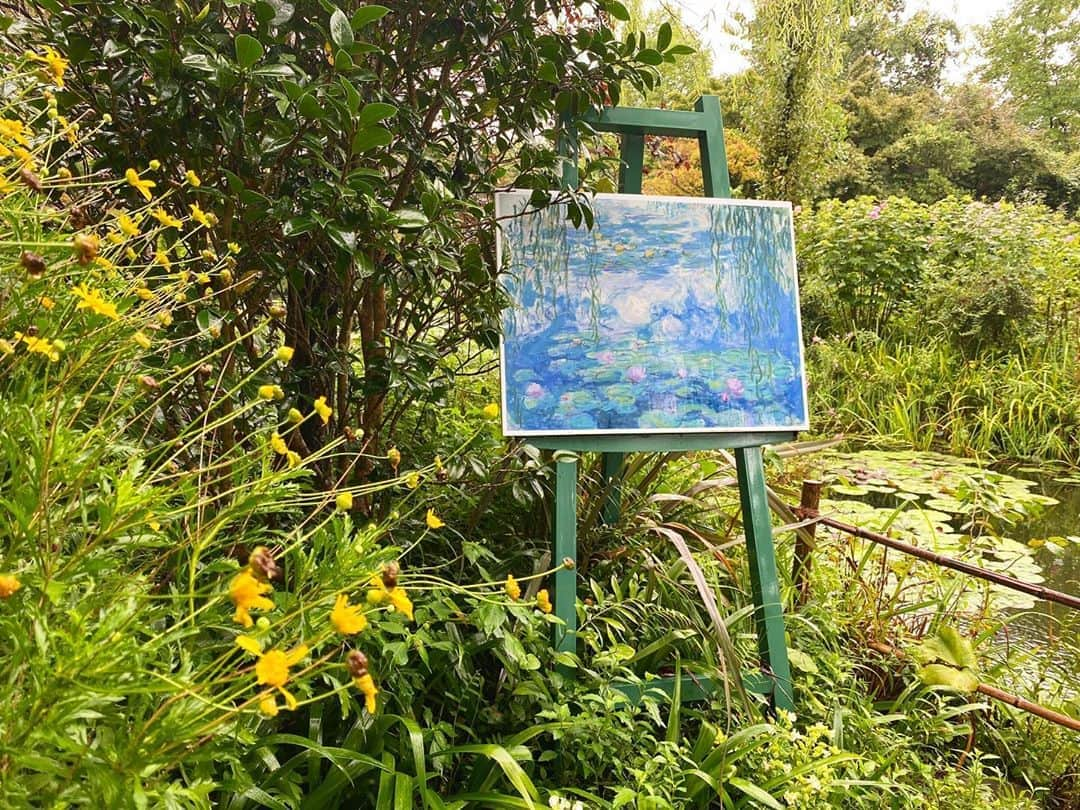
670, 315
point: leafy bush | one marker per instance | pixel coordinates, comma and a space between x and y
978, 275
348, 150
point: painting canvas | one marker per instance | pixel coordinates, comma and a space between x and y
670, 315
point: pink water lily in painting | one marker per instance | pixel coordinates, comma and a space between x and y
635, 374
606, 357
682, 372
534, 390
735, 387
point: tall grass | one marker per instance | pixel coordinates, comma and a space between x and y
928, 396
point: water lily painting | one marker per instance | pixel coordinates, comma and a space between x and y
669, 315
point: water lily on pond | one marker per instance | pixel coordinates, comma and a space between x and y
735, 387
534, 390
635, 374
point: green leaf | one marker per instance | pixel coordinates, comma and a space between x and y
370, 138
617, 10
650, 57
310, 107
408, 220
548, 73
375, 112
248, 50
663, 37
680, 50
752, 791
962, 680
367, 14
801, 661
948, 646
341, 32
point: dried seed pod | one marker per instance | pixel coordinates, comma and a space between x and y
31, 180
390, 574
149, 382
262, 564
86, 247
356, 662
33, 263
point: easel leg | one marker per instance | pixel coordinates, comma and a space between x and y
612, 471
566, 548
764, 582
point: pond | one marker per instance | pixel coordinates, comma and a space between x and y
1021, 521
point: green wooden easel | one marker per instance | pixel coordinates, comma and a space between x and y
774, 678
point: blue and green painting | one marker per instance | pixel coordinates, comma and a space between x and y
669, 315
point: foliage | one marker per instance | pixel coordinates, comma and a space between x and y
345, 149
135, 550
795, 50
1031, 52
901, 267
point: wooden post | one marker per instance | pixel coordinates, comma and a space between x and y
764, 582
566, 549
804, 541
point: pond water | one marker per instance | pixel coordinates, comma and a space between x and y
1024, 522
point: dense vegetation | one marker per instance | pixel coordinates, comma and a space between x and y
261, 542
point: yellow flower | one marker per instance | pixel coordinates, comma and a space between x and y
513, 590
104, 264
271, 392
433, 521
323, 410
267, 705
13, 130
233, 247
127, 225
247, 594
47, 303
200, 216
366, 684
165, 318
162, 258
412, 480
192, 178
272, 669
393, 455
140, 185
295, 416
25, 158
356, 663
142, 339
9, 584
344, 501
294, 459
399, 598
92, 300
284, 354
165, 218
542, 600
145, 293
347, 619
130, 253
278, 444
54, 64
39, 345
6, 348
154, 165
491, 411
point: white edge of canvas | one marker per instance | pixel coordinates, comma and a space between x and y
503, 199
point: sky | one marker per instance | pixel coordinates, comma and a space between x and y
709, 17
